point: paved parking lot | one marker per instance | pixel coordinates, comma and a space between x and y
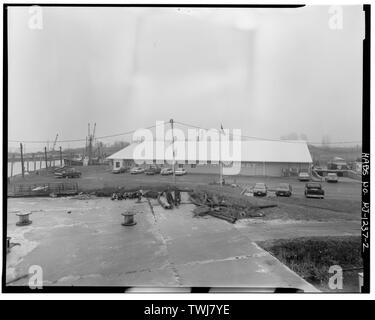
166, 248
348, 189
98, 177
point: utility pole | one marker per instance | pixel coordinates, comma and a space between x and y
61, 161
45, 157
220, 162
89, 145
92, 141
22, 164
11, 166
85, 154
90, 138
174, 175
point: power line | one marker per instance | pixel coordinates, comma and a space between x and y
240, 136
269, 139
186, 125
83, 140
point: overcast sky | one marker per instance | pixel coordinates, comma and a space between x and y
269, 72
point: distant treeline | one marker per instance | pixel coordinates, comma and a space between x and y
107, 149
325, 154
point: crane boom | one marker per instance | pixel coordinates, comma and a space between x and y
54, 143
93, 134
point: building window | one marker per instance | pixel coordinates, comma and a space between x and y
117, 164
193, 165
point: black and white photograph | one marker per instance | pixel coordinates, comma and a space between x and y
186, 148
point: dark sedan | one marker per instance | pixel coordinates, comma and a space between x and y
152, 170
314, 190
68, 173
284, 190
260, 190
119, 170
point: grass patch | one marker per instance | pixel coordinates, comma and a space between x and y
311, 258
344, 205
306, 213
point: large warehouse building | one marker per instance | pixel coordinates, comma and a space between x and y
258, 158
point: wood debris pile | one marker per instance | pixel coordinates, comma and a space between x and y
224, 207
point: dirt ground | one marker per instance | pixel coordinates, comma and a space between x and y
336, 215
342, 201
97, 177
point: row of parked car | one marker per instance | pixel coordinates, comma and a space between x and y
151, 170
305, 176
66, 173
312, 190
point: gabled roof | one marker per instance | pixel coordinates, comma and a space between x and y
125, 153
276, 151
251, 151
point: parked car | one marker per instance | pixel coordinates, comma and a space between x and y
60, 169
119, 170
260, 189
303, 176
68, 173
180, 172
284, 189
166, 172
137, 170
332, 177
314, 190
59, 174
152, 170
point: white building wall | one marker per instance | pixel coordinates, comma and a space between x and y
255, 168
272, 169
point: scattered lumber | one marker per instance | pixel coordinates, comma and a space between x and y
219, 215
267, 206
201, 210
225, 207
164, 202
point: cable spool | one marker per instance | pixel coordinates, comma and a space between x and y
128, 219
23, 219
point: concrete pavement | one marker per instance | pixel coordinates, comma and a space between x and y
167, 248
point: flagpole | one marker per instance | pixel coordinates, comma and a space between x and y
220, 162
174, 175
220, 167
